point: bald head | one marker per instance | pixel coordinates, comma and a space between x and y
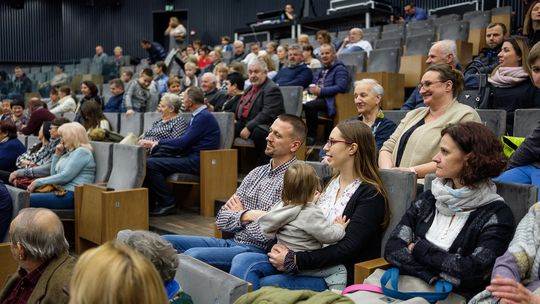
40, 232
355, 35
443, 52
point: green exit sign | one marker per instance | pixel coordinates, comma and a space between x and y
169, 7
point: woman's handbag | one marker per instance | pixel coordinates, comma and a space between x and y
477, 98
57, 189
23, 182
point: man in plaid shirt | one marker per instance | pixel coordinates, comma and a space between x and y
259, 191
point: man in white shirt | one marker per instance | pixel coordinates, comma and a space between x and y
354, 42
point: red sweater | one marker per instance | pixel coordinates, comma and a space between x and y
36, 120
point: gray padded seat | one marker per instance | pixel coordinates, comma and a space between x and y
129, 167
20, 199
519, 197
356, 59
106, 92
69, 69
384, 60
477, 19
395, 115
96, 69
341, 35
371, 37
132, 124
323, 171
149, 119
419, 45
87, 61
392, 27
292, 99
393, 34
207, 284
495, 120
454, 31
40, 77
388, 43
446, 19
152, 104
22, 139
103, 152
35, 70
372, 30
525, 121
82, 68
503, 10
31, 140
113, 119
413, 28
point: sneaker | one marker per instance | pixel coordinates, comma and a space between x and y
163, 210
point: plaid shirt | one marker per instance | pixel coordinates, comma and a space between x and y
24, 288
260, 190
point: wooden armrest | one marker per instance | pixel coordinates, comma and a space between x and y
8, 265
362, 270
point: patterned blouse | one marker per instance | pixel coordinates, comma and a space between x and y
39, 157
160, 129
332, 206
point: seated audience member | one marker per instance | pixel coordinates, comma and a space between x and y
416, 140
531, 24
10, 146
288, 13
323, 37
455, 231
6, 109
235, 90
72, 164
42, 253
171, 125
66, 103
271, 49
160, 76
100, 56
203, 60
89, 91
354, 42
60, 78
488, 57
162, 254
282, 53
37, 155
269, 64
174, 85
215, 58
190, 79
327, 83
115, 103
94, 121
126, 77
40, 165
115, 273
413, 13
176, 32
309, 58
239, 51
302, 40
441, 52
260, 105
6, 209
119, 59
174, 155
297, 73
252, 57
221, 71
257, 193
511, 83
212, 94
514, 278
155, 51
226, 44
137, 94
38, 115
17, 114
20, 85
355, 192
54, 97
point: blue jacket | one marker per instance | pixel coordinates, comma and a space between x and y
298, 75
115, 104
9, 151
420, 14
156, 53
336, 81
202, 134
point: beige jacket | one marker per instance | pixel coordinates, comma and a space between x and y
423, 143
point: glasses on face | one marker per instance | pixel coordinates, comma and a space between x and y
332, 142
427, 84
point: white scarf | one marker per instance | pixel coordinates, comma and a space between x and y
507, 77
450, 201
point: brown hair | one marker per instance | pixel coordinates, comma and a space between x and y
7, 126
325, 36
527, 22
299, 126
446, 73
172, 80
486, 158
365, 159
92, 114
299, 184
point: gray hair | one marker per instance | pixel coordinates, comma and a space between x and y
41, 238
260, 63
173, 100
295, 47
213, 77
159, 251
376, 88
238, 42
448, 47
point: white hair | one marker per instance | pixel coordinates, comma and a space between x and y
260, 63
376, 88
210, 75
448, 47
238, 42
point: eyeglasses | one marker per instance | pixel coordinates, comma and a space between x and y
427, 84
332, 142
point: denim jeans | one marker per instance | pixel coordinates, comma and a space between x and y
256, 269
216, 252
529, 174
51, 201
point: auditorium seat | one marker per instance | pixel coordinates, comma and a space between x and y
388, 43
478, 21
399, 33
86, 61
419, 27
31, 140
393, 27
502, 15
357, 59
419, 44
525, 121
374, 31
47, 68
83, 68
22, 139
458, 30
395, 115
131, 124
413, 63
292, 99
96, 69
35, 70
384, 60
20, 199
495, 120
8, 266
437, 21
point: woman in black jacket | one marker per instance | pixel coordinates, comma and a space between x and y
356, 191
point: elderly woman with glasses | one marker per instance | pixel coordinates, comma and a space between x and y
171, 125
416, 140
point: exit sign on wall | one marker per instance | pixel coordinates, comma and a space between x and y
169, 7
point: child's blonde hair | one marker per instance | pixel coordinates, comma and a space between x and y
299, 184
190, 65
